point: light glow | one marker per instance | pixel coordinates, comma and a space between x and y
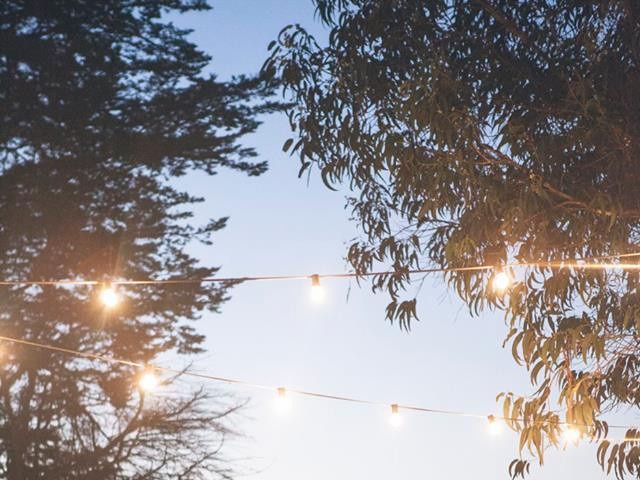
570, 434
283, 401
395, 419
148, 381
317, 291
109, 297
501, 282
494, 425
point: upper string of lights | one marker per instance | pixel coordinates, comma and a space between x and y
149, 380
500, 281
501, 278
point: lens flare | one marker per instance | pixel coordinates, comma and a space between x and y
570, 434
501, 282
109, 297
148, 381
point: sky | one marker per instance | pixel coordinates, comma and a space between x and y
272, 333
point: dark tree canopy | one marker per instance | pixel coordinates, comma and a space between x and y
101, 105
484, 132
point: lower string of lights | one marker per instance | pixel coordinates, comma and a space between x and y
148, 380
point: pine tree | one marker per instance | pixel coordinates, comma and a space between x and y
103, 103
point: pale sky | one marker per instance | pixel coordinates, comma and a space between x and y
271, 333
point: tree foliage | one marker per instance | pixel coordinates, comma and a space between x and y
484, 132
102, 105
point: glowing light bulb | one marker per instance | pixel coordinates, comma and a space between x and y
494, 426
317, 292
501, 282
109, 296
395, 419
283, 403
570, 434
148, 381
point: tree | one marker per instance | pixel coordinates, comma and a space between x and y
103, 104
485, 132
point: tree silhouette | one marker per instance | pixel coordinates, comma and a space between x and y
102, 105
479, 132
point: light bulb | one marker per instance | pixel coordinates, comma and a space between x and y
494, 426
283, 402
317, 292
148, 381
501, 282
570, 434
109, 296
395, 419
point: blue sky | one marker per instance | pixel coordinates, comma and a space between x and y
272, 333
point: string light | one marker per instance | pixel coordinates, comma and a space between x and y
317, 292
570, 434
494, 426
148, 380
500, 282
109, 296
395, 419
283, 402
578, 264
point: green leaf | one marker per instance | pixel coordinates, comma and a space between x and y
287, 144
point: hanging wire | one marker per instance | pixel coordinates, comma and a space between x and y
325, 396
586, 263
